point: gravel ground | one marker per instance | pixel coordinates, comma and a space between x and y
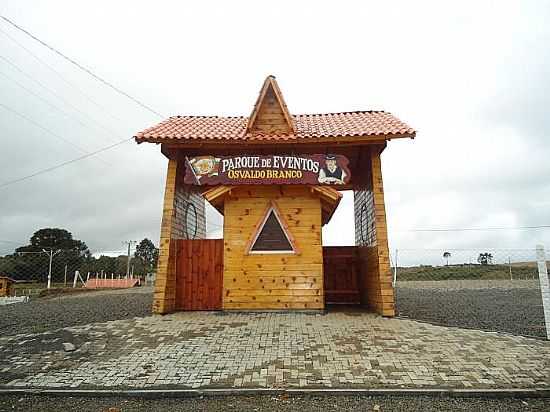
272, 403
42, 314
517, 311
452, 284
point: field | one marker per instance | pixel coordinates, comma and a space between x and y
38, 288
468, 271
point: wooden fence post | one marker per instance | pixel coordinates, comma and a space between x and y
395, 269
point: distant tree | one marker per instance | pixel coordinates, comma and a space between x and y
34, 266
446, 256
485, 259
55, 239
147, 253
107, 263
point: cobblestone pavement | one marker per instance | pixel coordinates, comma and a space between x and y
278, 350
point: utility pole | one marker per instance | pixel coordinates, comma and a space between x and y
129, 243
51, 254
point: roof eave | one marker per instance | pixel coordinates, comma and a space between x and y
199, 142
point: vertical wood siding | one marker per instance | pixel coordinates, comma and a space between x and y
199, 272
341, 281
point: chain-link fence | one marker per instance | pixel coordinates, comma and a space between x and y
30, 273
490, 289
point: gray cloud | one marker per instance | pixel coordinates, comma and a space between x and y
471, 78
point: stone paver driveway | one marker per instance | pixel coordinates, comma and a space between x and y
275, 350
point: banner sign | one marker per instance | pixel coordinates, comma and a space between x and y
317, 169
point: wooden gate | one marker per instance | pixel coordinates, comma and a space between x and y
340, 275
199, 274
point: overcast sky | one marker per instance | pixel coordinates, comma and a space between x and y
470, 77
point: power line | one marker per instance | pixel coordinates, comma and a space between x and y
86, 70
49, 169
28, 119
44, 100
99, 125
31, 121
476, 229
70, 84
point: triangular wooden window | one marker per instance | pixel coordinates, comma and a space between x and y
272, 235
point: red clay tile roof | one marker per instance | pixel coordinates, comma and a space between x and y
308, 126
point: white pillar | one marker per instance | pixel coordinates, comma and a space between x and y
50, 270
544, 287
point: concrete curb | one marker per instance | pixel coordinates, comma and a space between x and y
188, 393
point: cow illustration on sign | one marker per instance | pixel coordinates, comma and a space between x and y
332, 173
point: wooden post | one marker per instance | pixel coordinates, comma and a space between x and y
386, 304
544, 287
165, 279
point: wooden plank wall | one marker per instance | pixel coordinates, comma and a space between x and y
273, 281
199, 273
340, 275
371, 236
176, 197
270, 118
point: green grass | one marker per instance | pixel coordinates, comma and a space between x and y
466, 271
35, 288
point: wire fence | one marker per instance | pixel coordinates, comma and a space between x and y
490, 289
465, 264
29, 273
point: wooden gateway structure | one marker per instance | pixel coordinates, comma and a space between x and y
276, 177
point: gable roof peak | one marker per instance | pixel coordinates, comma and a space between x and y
270, 113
